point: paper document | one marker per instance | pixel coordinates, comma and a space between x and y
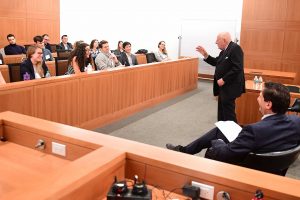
229, 128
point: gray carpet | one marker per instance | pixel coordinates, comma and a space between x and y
177, 121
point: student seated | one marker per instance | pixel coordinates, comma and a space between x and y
65, 45
120, 49
126, 57
39, 42
46, 40
162, 54
34, 66
105, 59
94, 46
275, 132
80, 59
13, 48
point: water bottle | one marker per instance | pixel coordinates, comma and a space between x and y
255, 80
26, 76
48, 74
89, 68
260, 80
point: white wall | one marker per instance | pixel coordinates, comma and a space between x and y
143, 23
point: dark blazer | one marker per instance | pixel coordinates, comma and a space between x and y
27, 66
229, 66
124, 60
61, 46
274, 133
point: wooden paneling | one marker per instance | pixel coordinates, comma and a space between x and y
5, 73
51, 67
270, 35
28, 18
141, 58
96, 93
17, 100
92, 100
58, 102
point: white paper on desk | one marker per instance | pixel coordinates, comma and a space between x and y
229, 128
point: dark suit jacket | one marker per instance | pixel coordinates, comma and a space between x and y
274, 133
229, 66
27, 66
124, 60
62, 47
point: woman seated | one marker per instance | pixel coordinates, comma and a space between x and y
119, 50
34, 67
80, 59
94, 46
161, 55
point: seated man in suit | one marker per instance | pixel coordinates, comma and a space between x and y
275, 132
13, 48
126, 57
64, 45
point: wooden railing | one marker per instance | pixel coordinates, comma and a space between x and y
96, 158
98, 98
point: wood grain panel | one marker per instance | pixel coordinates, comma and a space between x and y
26, 164
17, 100
124, 83
273, 10
12, 9
5, 72
141, 58
58, 102
96, 97
263, 42
270, 35
294, 67
43, 9
11, 59
17, 26
291, 49
293, 13
29, 139
51, 67
28, 18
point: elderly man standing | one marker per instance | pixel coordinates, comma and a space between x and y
105, 59
229, 80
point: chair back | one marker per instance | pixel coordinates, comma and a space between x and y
14, 72
53, 48
273, 162
295, 107
61, 65
63, 54
150, 58
293, 88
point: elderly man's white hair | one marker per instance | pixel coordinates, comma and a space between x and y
225, 35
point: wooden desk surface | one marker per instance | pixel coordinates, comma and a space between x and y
29, 166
